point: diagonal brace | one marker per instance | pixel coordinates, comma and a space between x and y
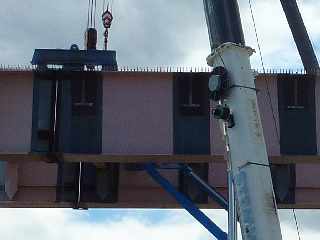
185, 202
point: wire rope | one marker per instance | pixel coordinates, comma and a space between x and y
269, 97
89, 1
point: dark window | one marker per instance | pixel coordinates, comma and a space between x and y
193, 96
296, 93
84, 96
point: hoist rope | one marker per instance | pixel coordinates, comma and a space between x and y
92, 10
269, 96
296, 222
91, 7
111, 5
95, 10
89, 1
103, 6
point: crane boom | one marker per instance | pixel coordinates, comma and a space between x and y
223, 21
300, 35
245, 142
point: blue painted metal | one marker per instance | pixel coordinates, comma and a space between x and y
213, 194
74, 57
42, 109
185, 203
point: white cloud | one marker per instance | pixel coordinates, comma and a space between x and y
277, 44
157, 33
52, 224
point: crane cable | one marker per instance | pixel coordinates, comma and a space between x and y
88, 17
296, 222
269, 97
92, 9
95, 10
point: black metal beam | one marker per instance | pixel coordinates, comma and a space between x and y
224, 22
300, 35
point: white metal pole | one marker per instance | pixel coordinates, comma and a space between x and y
247, 150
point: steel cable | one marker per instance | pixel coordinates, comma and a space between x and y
269, 97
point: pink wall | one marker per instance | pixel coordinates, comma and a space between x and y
35, 174
16, 98
16, 89
307, 175
137, 113
16, 94
137, 119
270, 133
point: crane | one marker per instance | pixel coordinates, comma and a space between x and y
233, 89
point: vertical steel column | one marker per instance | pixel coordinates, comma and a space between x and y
300, 35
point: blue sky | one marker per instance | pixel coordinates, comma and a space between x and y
144, 33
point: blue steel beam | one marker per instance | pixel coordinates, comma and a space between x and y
77, 57
214, 195
185, 202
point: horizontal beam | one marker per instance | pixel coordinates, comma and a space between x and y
133, 205
157, 158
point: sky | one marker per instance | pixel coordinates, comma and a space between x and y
144, 33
